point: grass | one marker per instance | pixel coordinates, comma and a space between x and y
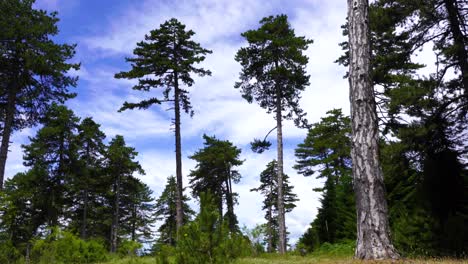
294, 259
326, 254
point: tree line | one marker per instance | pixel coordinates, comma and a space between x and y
395, 171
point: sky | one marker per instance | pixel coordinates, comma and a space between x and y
107, 31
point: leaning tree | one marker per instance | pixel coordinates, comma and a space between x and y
273, 74
165, 59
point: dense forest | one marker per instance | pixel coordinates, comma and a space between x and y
394, 172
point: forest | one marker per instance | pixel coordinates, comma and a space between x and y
393, 172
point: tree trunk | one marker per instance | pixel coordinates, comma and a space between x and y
279, 138
7, 130
134, 218
115, 219
230, 202
179, 195
459, 40
269, 224
373, 232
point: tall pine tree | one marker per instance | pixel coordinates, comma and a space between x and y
166, 59
373, 235
273, 74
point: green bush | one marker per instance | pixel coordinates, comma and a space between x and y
128, 248
208, 239
64, 247
8, 253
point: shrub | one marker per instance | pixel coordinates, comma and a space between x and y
208, 239
64, 247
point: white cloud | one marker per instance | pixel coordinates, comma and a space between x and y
219, 108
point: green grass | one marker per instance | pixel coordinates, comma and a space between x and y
326, 254
291, 259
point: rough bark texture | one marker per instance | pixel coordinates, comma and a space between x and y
281, 216
459, 40
373, 233
179, 197
7, 130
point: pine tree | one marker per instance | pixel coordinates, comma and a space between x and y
165, 58
138, 208
33, 70
21, 209
326, 153
273, 74
165, 210
52, 155
215, 173
89, 171
373, 235
432, 138
119, 166
269, 189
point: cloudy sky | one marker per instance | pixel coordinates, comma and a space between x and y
107, 31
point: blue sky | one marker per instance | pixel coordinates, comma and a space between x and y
107, 31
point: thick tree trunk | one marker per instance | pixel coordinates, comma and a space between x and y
7, 130
179, 195
115, 218
459, 40
281, 215
373, 232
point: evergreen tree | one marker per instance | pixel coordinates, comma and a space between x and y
326, 153
431, 141
165, 58
165, 210
52, 155
138, 208
88, 173
269, 189
119, 166
273, 74
215, 173
373, 235
21, 209
33, 71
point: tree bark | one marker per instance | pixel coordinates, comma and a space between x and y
459, 40
7, 130
179, 195
373, 232
279, 138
